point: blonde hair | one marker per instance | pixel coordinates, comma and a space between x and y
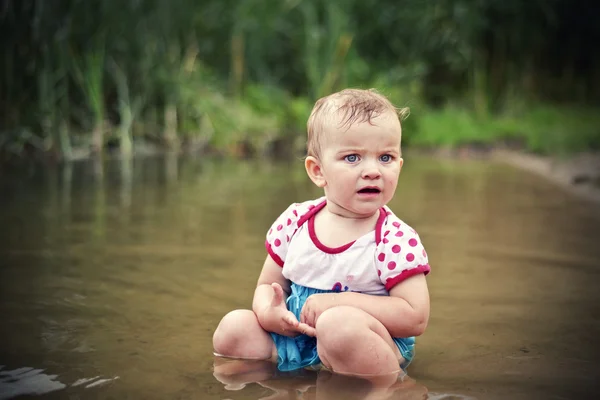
348, 107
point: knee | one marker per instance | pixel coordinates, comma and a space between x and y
231, 330
338, 330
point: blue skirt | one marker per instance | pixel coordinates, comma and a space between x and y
301, 351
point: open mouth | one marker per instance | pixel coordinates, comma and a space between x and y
369, 190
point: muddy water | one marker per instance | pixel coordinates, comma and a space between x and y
113, 278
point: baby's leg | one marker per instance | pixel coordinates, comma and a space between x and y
239, 335
351, 341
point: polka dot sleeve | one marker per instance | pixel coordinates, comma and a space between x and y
281, 232
400, 253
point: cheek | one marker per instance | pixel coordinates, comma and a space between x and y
340, 173
392, 178
393, 173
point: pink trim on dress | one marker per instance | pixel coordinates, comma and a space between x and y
321, 246
337, 250
379, 225
274, 256
311, 213
420, 269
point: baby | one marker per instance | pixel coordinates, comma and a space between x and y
343, 285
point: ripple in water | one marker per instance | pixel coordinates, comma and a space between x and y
31, 381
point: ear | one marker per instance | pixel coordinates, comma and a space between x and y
314, 171
401, 163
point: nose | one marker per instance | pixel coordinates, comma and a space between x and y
371, 171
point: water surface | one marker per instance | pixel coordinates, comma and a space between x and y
113, 278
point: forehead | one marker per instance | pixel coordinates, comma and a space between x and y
382, 130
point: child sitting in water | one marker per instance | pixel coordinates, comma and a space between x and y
343, 284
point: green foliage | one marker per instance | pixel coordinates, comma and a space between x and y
454, 126
541, 128
267, 100
219, 72
299, 111
561, 129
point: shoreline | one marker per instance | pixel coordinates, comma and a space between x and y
578, 174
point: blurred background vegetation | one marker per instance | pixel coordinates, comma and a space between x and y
79, 77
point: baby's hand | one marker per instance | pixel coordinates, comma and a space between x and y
314, 306
283, 320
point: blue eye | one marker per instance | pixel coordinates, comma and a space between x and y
386, 158
351, 158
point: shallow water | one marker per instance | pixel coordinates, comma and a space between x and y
111, 284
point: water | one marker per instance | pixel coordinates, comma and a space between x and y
111, 284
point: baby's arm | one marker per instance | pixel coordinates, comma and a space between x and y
263, 295
404, 313
269, 306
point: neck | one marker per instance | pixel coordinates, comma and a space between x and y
341, 212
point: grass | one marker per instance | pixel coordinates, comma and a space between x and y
544, 129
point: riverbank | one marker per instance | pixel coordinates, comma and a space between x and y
578, 174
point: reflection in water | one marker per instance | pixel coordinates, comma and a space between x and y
67, 178
126, 183
24, 381
171, 166
237, 374
127, 272
30, 381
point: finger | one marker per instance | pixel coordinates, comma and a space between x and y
277, 294
307, 330
313, 318
305, 313
290, 318
309, 318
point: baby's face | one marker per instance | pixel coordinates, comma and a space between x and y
361, 165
